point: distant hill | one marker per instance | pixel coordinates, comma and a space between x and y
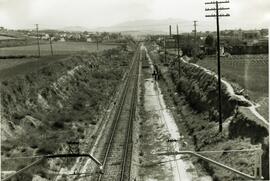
148, 25
75, 28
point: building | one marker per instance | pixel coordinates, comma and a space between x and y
62, 39
45, 37
89, 40
251, 35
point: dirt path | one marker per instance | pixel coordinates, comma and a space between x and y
158, 128
252, 106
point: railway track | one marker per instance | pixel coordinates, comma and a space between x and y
117, 154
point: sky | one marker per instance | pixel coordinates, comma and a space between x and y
245, 14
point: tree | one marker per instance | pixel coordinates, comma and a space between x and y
209, 41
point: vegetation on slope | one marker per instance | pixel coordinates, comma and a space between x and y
197, 119
55, 103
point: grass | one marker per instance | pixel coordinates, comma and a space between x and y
12, 67
203, 134
6, 37
59, 48
250, 74
88, 92
25, 64
247, 72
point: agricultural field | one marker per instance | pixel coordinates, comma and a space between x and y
249, 72
17, 66
6, 37
59, 48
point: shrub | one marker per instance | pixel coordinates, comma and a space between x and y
18, 115
93, 122
78, 106
58, 124
80, 130
46, 148
5, 83
26, 176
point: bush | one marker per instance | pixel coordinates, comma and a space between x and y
93, 122
63, 116
5, 83
18, 115
26, 176
58, 124
46, 148
80, 130
78, 106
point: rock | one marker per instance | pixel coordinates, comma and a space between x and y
38, 178
30, 122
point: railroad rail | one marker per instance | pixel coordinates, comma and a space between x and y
118, 152
125, 109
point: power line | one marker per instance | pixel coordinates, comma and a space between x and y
228, 151
53, 156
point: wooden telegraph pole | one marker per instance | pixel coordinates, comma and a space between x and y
97, 42
217, 15
165, 51
178, 49
177, 36
165, 48
38, 40
195, 38
195, 28
51, 45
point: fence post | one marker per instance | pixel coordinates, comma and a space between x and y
258, 163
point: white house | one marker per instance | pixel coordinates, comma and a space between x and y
62, 39
89, 39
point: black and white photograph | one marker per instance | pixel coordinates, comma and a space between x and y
134, 90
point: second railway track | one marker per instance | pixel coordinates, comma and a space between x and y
117, 154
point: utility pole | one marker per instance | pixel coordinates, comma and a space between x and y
178, 50
51, 45
73, 148
97, 43
38, 40
258, 163
165, 51
195, 38
170, 30
177, 31
217, 15
175, 44
195, 28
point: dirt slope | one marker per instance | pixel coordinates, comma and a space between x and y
59, 101
195, 96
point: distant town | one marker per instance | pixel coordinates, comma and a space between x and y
232, 41
24, 37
